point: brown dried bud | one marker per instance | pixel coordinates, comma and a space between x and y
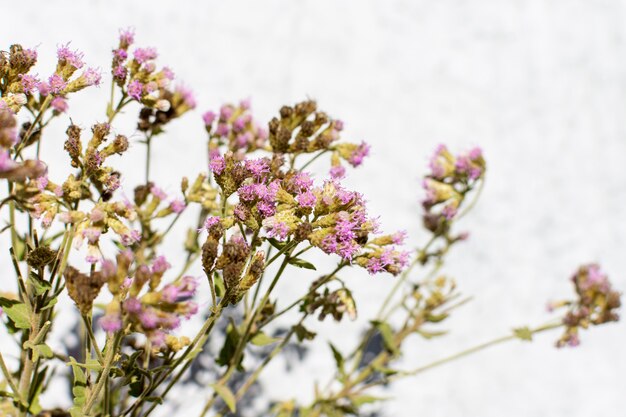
83, 289
254, 272
286, 112
41, 256
302, 231
142, 192
120, 144
209, 253
73, 145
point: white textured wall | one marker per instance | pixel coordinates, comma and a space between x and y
540, 85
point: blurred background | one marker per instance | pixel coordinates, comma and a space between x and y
539, 85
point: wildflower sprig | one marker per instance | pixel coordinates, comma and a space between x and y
258, 212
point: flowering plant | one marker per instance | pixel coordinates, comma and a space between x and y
258, 212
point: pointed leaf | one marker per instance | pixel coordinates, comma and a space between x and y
227, 395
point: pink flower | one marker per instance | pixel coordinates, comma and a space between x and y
145, 54
29, 83
135, 89
208, 118
160, 265
357, 156
177, 206
73, 58
111, 323
56, 84
307, 199
59, 104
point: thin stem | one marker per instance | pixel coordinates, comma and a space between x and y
148, 142
103, 378
313, 159
10, 380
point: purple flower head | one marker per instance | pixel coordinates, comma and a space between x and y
257, 167
131, 238
337, 172
111, 323
217, 165
359, 154
211, 222
73, 58
92, 234
398, 238
132, 305
307, 199
42, 182
143, 55
226, 111
59, 104
56, 84
135, 89
222, 129
108, 268
208, 118
245, 104
181, 291
92, 76
277, 229
177, 206
160, 265
29, 83
158, 193
127, 37
266, 209
302, 181
149, 319
6, 163
187, 95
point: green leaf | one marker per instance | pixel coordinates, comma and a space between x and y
359, 400
261, 339
227, 395
51, 302
523, 333
302, 333
40, 286
386, 332
276, 243
301, 263
18, 313
436, 318
338, 359
426, 334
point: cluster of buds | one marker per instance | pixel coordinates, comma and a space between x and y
15, 83
287, 205
330, 303
151, 202
234, 128
90, 162
451, 178
22, 86
9, 168
239, 270
141, 304
136, 74
382, 255
596, 303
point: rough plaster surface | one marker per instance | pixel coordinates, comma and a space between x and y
540, 85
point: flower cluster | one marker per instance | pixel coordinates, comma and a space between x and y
450, 179
597, 303
140, 304
287, 205
137, 75
235, 128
